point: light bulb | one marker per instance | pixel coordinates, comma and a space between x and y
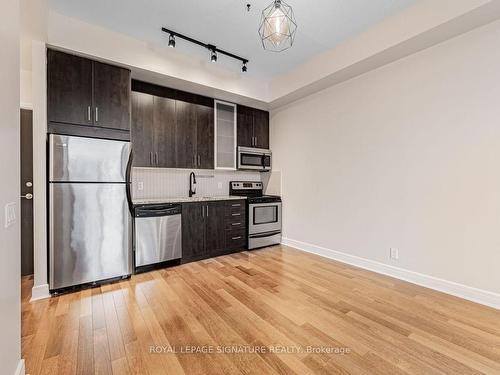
277, 27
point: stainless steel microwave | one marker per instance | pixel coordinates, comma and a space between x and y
254, 158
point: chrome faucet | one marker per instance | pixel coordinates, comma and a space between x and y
192, 184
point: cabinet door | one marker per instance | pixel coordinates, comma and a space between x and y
164, 132
193, 230
215, 240
142, 134
225, 135
69, 88
261, 128
204, 137
245, 126
111, 96
185, 134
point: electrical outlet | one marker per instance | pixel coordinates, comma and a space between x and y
140, 185
10, 214
219, 185
394, 253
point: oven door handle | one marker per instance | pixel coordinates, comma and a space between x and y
266, 234
268, 204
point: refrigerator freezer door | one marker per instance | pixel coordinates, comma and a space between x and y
90, 233
79, 159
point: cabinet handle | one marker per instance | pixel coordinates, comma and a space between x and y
235, 214
96, 114
88, 113
199, 160
207, 211
255, 144
236, 205
235, 224
237, 238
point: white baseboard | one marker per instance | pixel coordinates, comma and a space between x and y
20, 368
40, 292
483, 297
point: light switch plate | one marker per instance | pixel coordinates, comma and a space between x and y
10, 214
219, 185
140, 185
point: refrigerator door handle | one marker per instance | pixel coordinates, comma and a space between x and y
128, 181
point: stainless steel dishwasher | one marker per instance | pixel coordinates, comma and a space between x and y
158, 234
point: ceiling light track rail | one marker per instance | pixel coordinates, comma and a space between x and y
213, 49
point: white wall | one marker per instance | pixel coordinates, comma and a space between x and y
10, 247
405, 156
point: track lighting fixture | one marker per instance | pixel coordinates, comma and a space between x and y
171, 41
213, 49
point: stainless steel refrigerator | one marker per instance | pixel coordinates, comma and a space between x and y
90, 224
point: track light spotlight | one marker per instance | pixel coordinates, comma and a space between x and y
244, 67
171, 41
213, 57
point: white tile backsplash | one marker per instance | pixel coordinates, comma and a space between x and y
171, 183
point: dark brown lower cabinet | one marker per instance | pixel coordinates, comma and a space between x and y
210, 229
215, 241
193, 231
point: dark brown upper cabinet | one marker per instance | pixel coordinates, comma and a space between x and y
153, 131
171, 129
185, 145
142, 130
195, 131
69, 89
261, 128
164, 120
111, 96
253, 127
86, 97
245, 126
204, 136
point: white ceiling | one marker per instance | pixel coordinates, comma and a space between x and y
322, 24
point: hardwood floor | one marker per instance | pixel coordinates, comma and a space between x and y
277, 301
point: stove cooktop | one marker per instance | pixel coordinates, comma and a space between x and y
253, 191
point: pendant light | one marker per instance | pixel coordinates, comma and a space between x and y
277, 26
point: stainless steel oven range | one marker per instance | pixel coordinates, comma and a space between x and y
264, 214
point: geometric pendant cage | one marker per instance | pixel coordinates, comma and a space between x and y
277, 26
